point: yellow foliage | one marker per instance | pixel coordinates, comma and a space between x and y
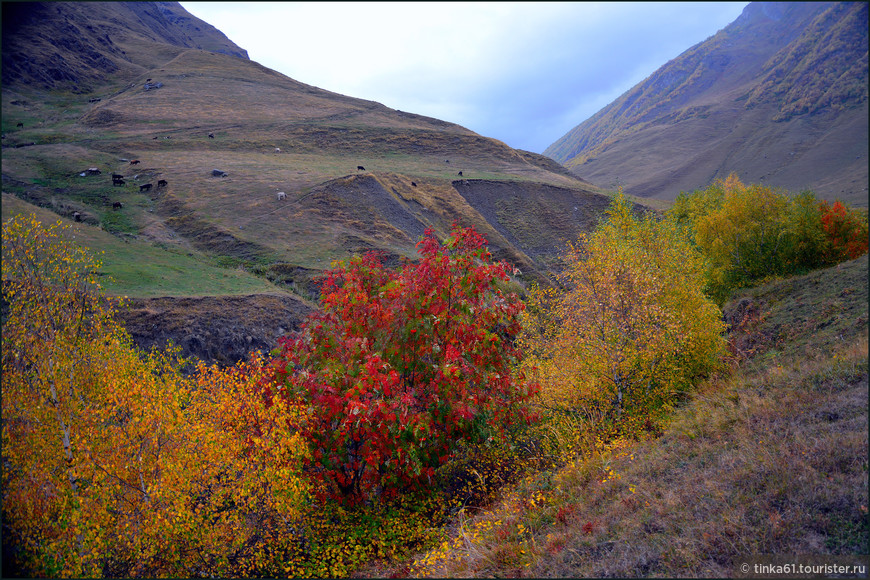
632, 330
114, 462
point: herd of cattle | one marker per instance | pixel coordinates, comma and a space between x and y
118, 180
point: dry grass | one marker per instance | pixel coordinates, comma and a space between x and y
773, 462
323, 137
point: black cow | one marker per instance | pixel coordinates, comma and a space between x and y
414, 184
460, 174
360, 168
146, 187
117, 205
20, 125
77, 216
162, 183
118, 182
211, 135
117, 176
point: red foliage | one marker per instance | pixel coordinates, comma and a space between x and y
589, 527
401, 364
846, 232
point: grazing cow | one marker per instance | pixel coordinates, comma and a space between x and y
360, 168
20, 125
162, 183
92, 171
134, 162
146, 187
118, 182
77, 216
413, 184
277, 150
154, 137
211, 135
281, 195
117, 176
460, 174
117, 205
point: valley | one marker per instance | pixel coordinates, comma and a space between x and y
216, 193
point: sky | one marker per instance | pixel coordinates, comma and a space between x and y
522, 73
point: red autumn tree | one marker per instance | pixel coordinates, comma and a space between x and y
846, 231
401, 364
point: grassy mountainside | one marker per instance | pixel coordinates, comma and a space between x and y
100, 85
779, 95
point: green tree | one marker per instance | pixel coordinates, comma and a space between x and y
752, 232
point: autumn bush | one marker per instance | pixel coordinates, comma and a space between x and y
115, 464
399, 365
629, 333
750, 233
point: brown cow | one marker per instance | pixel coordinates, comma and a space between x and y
134, 162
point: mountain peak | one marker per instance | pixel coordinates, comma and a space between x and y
79, 45
780, 94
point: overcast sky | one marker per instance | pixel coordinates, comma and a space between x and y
523, 73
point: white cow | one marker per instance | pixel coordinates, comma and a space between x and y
281, 195
277, 150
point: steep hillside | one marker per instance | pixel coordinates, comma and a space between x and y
78, 45
779, 96
167, 98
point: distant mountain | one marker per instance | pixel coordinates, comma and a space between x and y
778, 96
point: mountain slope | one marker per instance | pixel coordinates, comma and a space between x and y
78, 45
227, 134
779, 96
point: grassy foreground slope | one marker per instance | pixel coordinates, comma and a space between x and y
133, 268
771, 457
